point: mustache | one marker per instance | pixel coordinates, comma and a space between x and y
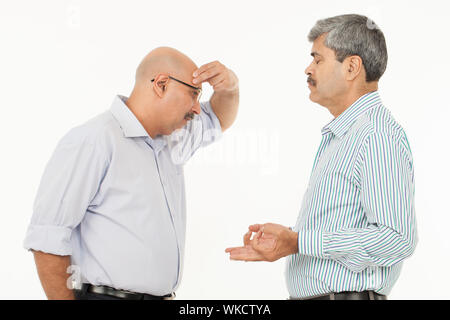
311, 81
189, 116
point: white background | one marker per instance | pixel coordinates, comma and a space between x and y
62, 62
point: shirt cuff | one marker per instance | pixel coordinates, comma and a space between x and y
49, 239
310, 243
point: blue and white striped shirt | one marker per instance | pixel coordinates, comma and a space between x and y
357, 220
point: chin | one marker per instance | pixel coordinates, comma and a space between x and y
181, 125
313, 97
167, 132
316, 99
178, 127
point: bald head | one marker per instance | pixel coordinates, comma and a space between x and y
167, 61
163, 106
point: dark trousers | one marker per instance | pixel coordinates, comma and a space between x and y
365, 295
84, 295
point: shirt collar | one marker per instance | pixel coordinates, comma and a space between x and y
130, 125
340, 125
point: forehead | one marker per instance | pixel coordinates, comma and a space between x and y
187, 74
319, 49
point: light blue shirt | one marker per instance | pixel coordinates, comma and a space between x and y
357, 222
113, 199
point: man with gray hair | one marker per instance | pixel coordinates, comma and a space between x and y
357, 221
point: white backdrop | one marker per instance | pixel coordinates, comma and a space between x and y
63, 61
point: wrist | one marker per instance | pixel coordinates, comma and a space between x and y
293, 242
228, 92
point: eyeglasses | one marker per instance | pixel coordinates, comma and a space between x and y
199, 90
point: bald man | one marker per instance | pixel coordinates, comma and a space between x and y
110, 208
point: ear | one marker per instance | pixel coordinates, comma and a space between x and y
160, 84
353, 67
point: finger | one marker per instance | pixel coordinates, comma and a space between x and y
216, 81
241, 250
245, 254
220, 86
268, 236
255, 227
246, 258
207, 75
272, 228
247, 237
262, 241
204, 68
267, 228
228, 250
257, 237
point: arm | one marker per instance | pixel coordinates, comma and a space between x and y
225, 99
52, 271
69, 183
225, 106
217, 114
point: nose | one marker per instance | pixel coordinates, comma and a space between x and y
308, 70
196, 108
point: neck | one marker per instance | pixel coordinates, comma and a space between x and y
137, 106
351, 97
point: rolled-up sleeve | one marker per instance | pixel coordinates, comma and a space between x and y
203, 130
70, 181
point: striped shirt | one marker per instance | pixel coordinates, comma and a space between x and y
357, 220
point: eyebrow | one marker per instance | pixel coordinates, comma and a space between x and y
315, 54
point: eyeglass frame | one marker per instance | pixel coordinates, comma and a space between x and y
186, 84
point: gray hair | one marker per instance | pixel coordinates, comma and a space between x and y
353, 34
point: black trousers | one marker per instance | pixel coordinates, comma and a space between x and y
365, 295
84, 295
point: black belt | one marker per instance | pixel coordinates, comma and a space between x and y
364, 295
123, 294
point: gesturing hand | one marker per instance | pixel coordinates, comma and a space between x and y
271, 242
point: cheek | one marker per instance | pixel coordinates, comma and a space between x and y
332, 79
187, 105
183, 102
339, 79
178, 105
322, 75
